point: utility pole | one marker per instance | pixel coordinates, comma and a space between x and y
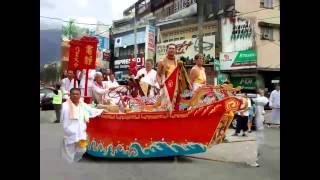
200, 24
218, 43
135, 31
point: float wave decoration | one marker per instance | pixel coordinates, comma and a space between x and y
156, 149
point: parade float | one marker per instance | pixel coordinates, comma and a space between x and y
178, 122
147, 130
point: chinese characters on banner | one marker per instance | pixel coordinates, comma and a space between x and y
89, 51
75, 61
83, 53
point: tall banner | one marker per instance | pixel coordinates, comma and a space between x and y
75, 61
89, 51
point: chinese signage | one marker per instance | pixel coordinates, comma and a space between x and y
188, 48
102, 43
75, 63
246, 82
89, 51
238, 60
150, 42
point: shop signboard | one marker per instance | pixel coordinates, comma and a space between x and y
238, 60
222, 78
188, 48
246, 82
124, 63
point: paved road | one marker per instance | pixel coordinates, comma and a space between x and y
52, 167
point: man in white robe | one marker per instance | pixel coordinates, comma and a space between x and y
112, 84
274, 103
260, 102
67, 84
75, 114
149, 76
82, 78
99, 89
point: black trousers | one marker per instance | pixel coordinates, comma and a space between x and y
242, 122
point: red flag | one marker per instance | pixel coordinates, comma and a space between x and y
75, 59
89, 51
171, 84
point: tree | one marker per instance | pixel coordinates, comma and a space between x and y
71, 31
50, 73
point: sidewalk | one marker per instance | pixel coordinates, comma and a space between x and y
239, 149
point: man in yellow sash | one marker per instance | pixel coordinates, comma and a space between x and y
166, 65
75, 114
197, 73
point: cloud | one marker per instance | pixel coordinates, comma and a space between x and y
46, 4
82, 3
117, 9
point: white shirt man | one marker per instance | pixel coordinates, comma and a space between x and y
90, 81
150, 76
274, 103
112, 84
75, 114
99, 89
67, 84
275, 99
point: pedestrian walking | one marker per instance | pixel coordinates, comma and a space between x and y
274, 103
242, 119
75, 115
260, 102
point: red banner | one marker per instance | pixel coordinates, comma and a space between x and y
75, 61
89, 51
171, 83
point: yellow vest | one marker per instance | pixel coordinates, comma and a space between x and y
57, 99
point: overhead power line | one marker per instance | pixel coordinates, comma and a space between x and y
60, 19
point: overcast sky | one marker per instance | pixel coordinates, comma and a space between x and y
84, 11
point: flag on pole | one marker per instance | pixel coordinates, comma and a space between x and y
171, 87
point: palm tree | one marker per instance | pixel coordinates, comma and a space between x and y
70, 30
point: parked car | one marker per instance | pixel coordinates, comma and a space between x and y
46, 96
44, 92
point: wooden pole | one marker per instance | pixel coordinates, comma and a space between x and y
75, 79
86, 84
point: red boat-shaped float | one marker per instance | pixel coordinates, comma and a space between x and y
163, 134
